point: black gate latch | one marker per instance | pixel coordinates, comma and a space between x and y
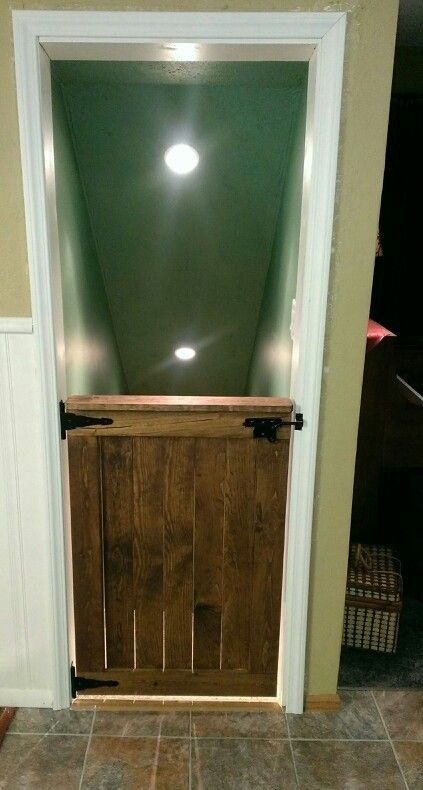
267, 427
69, 420
81, 684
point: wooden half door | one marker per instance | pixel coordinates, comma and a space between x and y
177, 542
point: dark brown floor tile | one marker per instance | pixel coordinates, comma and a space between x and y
232, 764
240, 724
357, 718
402, 713
14, 750
410, 756
136, 763
48, 762
335, 765
72, 722
142, 723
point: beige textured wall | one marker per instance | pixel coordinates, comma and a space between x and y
370, 47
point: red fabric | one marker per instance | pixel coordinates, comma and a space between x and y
375, 333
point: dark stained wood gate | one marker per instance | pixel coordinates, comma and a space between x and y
177, 544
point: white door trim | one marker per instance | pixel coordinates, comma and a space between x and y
323, 34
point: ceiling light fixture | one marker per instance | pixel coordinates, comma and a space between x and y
185, 353
181, 158
184, 51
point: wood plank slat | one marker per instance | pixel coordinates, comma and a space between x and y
149, 462
237, 553
206, 682
118, 515
270, 505
196, 424
84, 482
178, 552
177, 403
210, 472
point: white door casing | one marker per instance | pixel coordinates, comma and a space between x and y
316, 36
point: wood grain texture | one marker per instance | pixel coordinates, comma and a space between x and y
330, 703
178, 552
176, 403
192, 516
196, 424
84, 481
270, 506
210, 473
118, 518
238, 552
149, 461
173, 681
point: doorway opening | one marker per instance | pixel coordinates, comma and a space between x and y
154, 260
178, 198
42, 37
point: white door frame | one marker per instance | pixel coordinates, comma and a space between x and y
316, 36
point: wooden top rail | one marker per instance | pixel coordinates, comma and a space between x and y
166, 403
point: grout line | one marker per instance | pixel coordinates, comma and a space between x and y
87, 750
292, 751
342, 740
222, 737
144, 737
15, 766
237, 738
50, 732
390, 741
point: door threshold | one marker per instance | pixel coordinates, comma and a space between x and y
159, 704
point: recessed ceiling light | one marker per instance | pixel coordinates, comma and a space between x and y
184, 51
185, 352
181, 158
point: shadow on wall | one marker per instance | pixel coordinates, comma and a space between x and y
270, 367
93, 363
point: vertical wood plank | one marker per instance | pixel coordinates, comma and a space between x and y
85, 502
118, 516
149, 462
271, 475
238, 549
210, 471
178, 556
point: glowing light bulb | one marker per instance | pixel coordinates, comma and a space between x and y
184, 51
185, 353
181, 158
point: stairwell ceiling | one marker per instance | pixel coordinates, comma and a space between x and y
184, 259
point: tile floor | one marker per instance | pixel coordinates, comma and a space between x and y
375, 741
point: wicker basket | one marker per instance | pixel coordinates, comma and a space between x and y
373, 599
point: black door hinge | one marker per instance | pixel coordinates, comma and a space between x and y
267, 427
69, 420
81, 684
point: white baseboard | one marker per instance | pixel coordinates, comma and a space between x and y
26, 698
25, 589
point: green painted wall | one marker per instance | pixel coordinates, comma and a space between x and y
270, 368
92, 360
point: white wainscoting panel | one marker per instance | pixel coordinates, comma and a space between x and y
25, 590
